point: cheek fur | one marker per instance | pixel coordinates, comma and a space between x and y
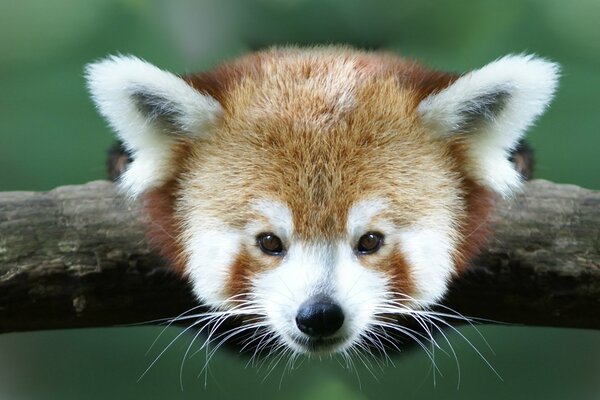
239, 275
398, 273
429, 253
211, 255
163, 226
243, 269
475, 228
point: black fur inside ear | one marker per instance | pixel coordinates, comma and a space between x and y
117, 161
157, 109
523, 160
482, 109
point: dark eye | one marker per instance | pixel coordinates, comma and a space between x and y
270, 244
369, 243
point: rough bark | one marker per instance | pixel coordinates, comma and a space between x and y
76, 256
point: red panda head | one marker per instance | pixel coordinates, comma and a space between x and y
320, 191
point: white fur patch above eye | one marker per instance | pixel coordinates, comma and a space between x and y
279, 219
148, 108
492, 107
361, 215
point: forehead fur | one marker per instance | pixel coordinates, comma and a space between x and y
320, 130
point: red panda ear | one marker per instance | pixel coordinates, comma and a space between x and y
150, 109
490, 108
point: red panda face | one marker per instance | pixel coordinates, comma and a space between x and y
320, 192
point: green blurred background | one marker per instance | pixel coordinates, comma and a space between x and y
50, 135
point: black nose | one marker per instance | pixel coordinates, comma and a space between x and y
319, 316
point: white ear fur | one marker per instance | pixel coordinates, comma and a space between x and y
148, 108
491, 108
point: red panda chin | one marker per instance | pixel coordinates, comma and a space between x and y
372, 177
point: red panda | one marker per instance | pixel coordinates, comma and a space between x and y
318, 193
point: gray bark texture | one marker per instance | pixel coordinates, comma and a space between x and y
77, 257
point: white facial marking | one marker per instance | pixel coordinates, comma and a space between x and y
278, 219
330, 269
361, 292
211, 253
322, 268
429, 254
319, 269
334, 270
427, 245
361, 215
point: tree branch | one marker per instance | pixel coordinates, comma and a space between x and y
76, 256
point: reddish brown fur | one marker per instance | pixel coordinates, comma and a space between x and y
319, 154
244, 266
475, 226
398, 271
239, 276
285, 140
164, 225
